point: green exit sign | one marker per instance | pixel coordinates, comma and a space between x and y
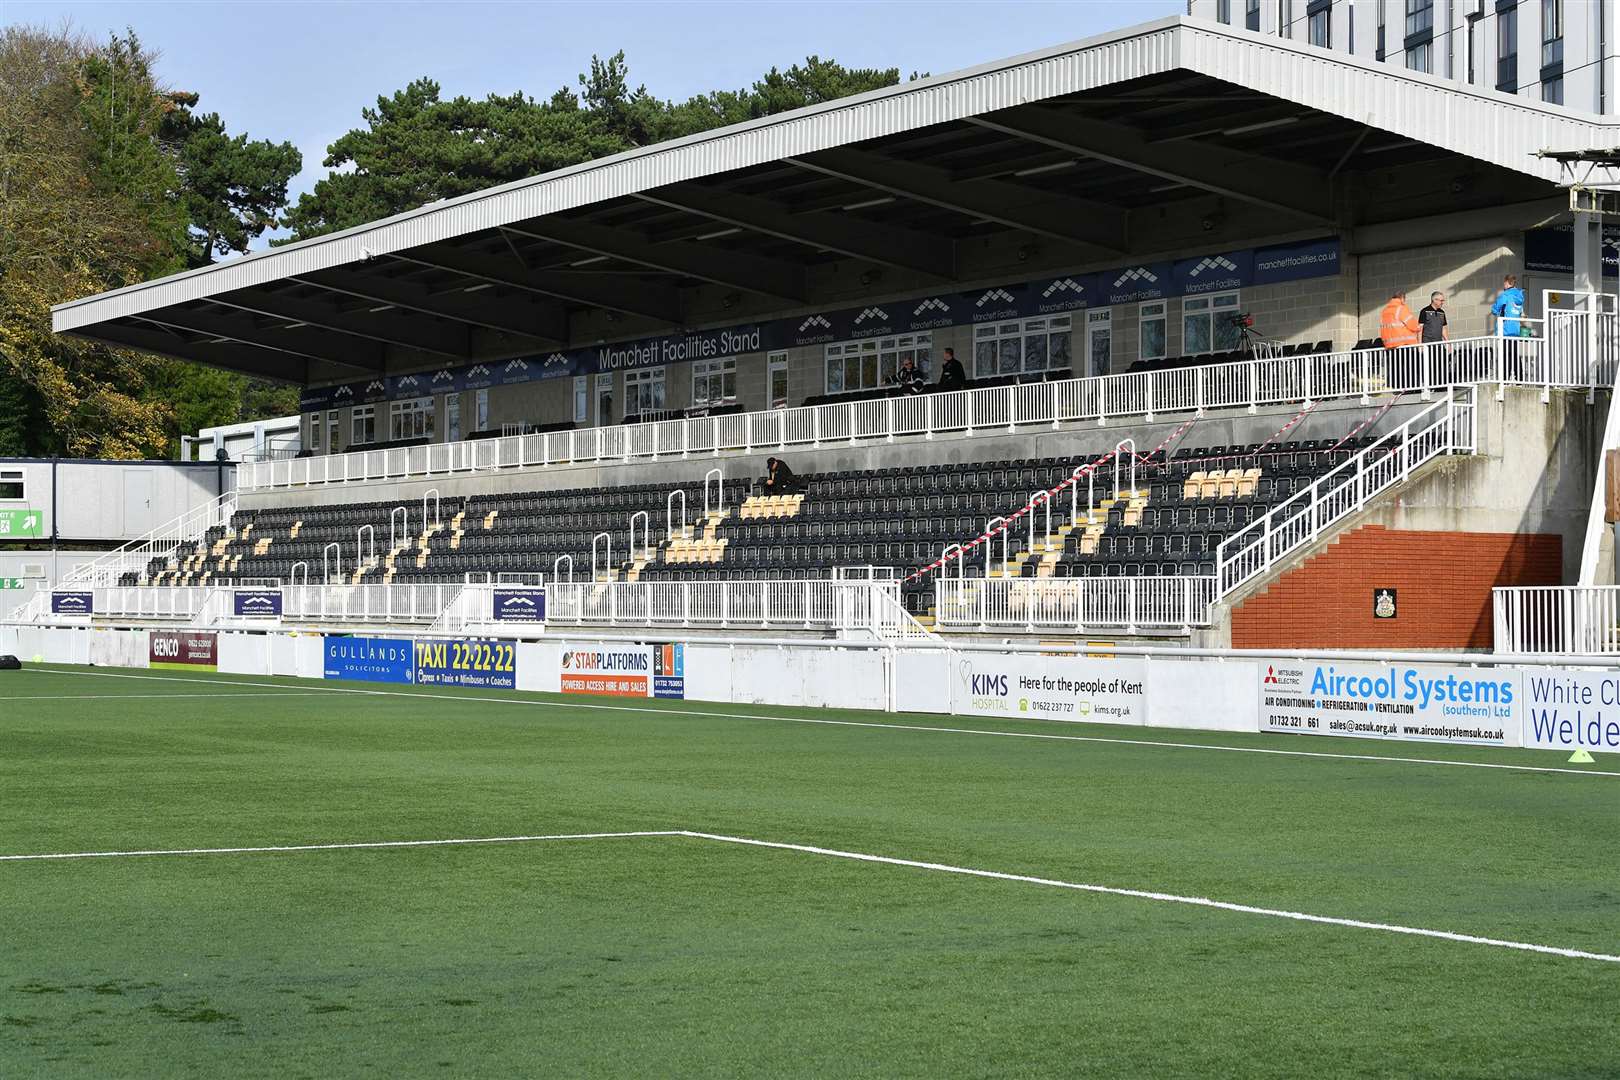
11, 583
21, 524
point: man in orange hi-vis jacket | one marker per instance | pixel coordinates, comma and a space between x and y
1398, 327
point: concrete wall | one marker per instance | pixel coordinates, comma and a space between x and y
34, 569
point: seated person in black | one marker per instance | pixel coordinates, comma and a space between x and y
951, 375
908, 378
779, 479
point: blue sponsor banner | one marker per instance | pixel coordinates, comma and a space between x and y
369, 659
490, 665
1213, 272
669, 671
1294, 262
73, 603
1134, 284
1552, 250
518, 605
256, 603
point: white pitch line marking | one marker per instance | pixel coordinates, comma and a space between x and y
853, 856
153, 697
927, 728
360, 846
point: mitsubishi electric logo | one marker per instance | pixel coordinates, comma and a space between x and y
477, 371
516, 365
1219, 262
871, 313
443, 376
995, 294
1063, 285
932, 304
815, 322
1271, 676
1136, 273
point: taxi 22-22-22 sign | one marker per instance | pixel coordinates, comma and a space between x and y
488, 664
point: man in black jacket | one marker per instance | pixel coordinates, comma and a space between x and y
779, 479
951, 375
908, 378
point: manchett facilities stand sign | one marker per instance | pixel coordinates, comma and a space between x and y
1384, 701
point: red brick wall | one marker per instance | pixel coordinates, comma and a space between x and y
1443, 584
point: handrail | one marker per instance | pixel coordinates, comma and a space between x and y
405, 530
945, 557
646, 534
596, 575
669, 514
1447, 426
719, 493
368, 531
1044, 498
1119, 454
438, 516
556, 575
1095, 398
161, 542
990, 543
326, 569
292, 576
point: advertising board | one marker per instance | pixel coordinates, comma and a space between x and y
488, 665
608, 670
73, 603
1424, 703
1572, 710
369, 659
511, 604
183, 650
256, 603
1070, 688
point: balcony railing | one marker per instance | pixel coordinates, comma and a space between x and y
1097, 399
1561, 620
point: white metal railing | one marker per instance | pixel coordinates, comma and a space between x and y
161, 543
1565, 620
1168, 602
380, 604
1446, 427
179, 602
838, 606
1100, 398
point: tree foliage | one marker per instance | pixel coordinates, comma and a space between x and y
101, 186
417, 148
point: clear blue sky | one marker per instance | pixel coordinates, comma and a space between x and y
301, 71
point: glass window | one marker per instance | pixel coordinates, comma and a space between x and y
315, 423
1379, 44
1153, 331
452, 417
1507, 50
12, 487
1251, 14
871, 364
1420, 58
778, 364
644, 391
1552, 37
714, 382
1320, 28
582, 398
411, 419
1223, 11
1013, 348
481, 410
1419, 17
1207, 325
363, 424
1100, 340
1552, 91
331, 431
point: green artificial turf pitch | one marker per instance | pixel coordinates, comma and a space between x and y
673, 955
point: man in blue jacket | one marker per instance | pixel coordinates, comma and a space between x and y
1509, 307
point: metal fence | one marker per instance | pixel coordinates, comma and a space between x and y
1557, 620
160, 543
1121, 603
1447, 427
871, 607
1253, 382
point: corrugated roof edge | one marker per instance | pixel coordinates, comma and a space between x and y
433, 222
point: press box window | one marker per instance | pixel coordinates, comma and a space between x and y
1153, 329
871, 364
643, 391
1013, 348
714, 382
11, 485
411, 419
363, 424
1207, 325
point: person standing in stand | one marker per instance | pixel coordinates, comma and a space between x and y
951, 375
1433, 319
1397, 326
1509, 309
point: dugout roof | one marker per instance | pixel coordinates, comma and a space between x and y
1115, 147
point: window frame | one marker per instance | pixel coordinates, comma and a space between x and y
412, 418
19, 477
582, 398
452, 417
481, 409
1147, 313
776, 363
1321, 19
1251, 14
1207, 308
705, 373
1011, 339
315, 422
1507, 48
362, 434
885, 355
